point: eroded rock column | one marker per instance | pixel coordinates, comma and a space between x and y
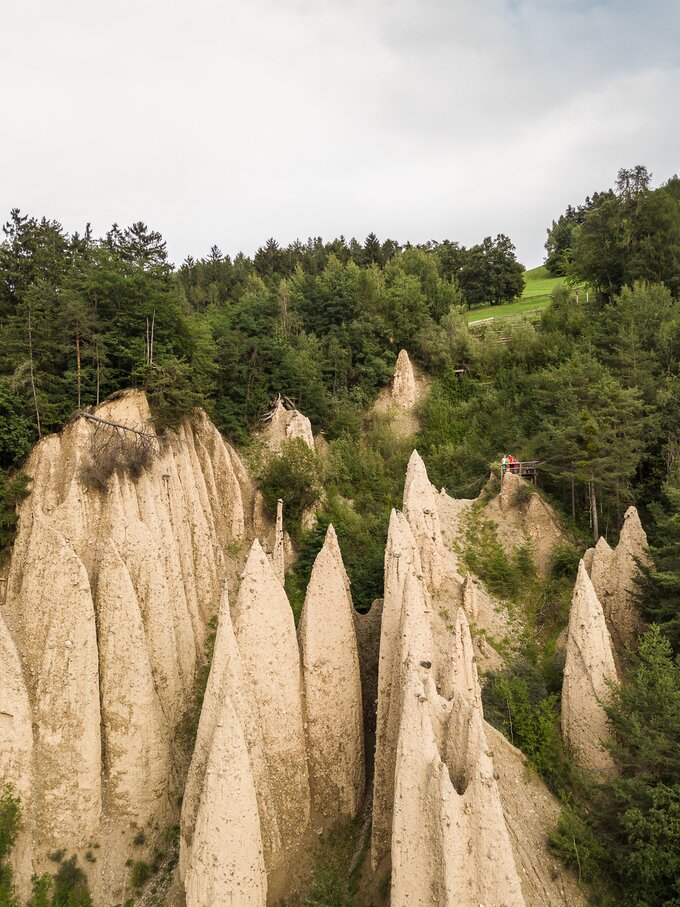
332, 689
589, 669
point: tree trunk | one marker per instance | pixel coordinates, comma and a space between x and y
78, 366
153, 324
30, 359
96, 349
573, 500
593, 508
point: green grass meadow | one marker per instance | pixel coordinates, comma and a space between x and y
538, 285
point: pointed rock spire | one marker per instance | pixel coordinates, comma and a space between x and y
472, 812
614, 573
404, 388
278, 556
265, 633
135, 734
420, 501
16, 750
463, 675
413, 651
421, 509
450, 843
286, 425
470, 598
62, 669
226, 682
416, 834
226, 863
588, 670
332, 688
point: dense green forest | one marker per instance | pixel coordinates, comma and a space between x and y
592, 390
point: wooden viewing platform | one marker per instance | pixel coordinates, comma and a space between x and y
527, 469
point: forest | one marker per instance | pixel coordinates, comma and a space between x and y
591, 390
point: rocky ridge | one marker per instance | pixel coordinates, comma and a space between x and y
589, 672
111, 590
436, 779
120, 555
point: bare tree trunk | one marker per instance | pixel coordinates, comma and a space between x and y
78, 366
593, 508
153, 324
573, 500
30, 359
96, 352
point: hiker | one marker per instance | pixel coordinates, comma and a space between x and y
513, 464
504, 465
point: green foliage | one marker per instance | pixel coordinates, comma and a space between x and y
188, 727
564, 561
660, 587
293, 476
70, 886
140, 873
503, 573
334, 881
41, 891
517, 702
618, 237
578, 846
10, 819
626, 832
12, 490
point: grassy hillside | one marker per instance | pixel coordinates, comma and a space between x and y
538, 285
538, 282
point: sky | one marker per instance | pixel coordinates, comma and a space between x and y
221, 122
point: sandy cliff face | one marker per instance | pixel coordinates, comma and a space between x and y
226, 862
588, 670
113, 578
614, 573
404, 388
286, 425
521, 516
332, 689
16, 745
446, 818
267, 642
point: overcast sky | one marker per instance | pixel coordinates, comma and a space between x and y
228, 122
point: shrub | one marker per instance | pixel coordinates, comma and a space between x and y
41, 889
627, 830
564, 561
10, 818
503, 573
294, 476
140, 872
517, 703
12, 490
70, 886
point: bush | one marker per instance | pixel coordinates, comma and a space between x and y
70, 886
564, 561
140, 873
517, 703
294, 476
503, 573
627, 830
10, 818
12, 490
